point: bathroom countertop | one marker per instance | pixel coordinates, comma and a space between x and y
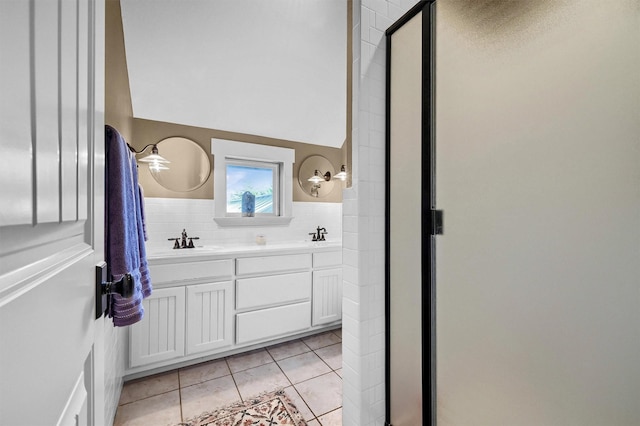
164, 255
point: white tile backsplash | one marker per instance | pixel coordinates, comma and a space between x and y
166, 217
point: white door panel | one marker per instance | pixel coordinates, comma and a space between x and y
15, 125
75, 411
46, 88
51, 225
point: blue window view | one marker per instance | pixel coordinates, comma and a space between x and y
257, 180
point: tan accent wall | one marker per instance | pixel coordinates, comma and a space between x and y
148, 131
118, 111
347, 147
140, 132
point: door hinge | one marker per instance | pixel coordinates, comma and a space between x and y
437, 224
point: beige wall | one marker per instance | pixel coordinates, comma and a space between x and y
140, 132
118, 110
347, 147
147, 131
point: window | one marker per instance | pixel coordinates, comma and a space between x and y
258, 177
265, 171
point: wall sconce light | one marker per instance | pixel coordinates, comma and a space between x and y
315, 176
318, 177
342, 175
155, 161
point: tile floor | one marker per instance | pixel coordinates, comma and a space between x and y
308, 369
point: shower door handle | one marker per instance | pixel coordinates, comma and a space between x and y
437, 224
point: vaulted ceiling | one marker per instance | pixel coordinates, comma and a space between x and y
273, 68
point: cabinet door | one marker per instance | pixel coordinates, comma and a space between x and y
327, 296
209, 316
160, 334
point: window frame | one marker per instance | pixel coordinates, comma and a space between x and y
227, 150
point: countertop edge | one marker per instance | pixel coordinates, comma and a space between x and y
241, 251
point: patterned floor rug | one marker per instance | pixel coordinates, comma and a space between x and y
269, 409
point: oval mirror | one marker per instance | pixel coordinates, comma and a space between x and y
316, 164
189, 168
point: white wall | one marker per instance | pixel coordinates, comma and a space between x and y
363, 210
538, 166
251, 67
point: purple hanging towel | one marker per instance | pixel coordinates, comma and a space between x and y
124, 229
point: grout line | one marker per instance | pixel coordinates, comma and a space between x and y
294, 384
325, 362
284, 374
328, 412
267, 351
318, 355
148, 397
315, 377
309, 406
291, 356
247, 353
304, 343
233, 378
180, 396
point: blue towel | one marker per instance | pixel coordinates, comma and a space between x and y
124, 229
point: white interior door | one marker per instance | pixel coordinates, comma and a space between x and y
51, 220
538, 174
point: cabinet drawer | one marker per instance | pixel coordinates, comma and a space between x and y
267, 264
272, 290
182, 271
327, 258
272, 322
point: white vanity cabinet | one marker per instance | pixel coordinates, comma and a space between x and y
327, 287
271, 303
190, 311
209, 305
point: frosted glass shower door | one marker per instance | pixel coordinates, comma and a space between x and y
408, 233
538, 173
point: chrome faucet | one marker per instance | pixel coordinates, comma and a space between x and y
319, 234
181, 243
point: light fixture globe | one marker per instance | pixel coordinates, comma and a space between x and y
154, 157
318, 177
342, 175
